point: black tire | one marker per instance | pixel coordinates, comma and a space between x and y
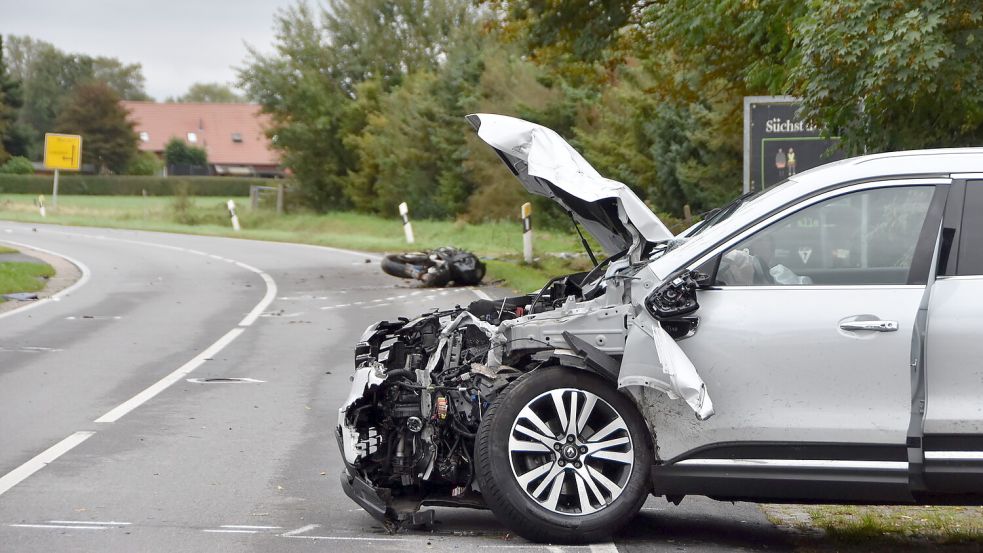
513, 506
406, 265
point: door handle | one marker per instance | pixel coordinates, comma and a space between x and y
876, 326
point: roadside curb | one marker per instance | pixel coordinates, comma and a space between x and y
69, 275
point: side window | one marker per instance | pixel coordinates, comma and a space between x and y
864, 237
971, 231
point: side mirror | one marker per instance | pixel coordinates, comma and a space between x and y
676, 296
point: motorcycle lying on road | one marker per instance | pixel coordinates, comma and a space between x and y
436, 267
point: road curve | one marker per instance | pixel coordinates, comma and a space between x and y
111, 441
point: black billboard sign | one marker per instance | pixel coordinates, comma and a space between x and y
779, 144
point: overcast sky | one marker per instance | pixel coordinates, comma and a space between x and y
178, 42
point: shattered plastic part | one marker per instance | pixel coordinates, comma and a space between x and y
363, 379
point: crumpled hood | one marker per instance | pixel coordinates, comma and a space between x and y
547, 165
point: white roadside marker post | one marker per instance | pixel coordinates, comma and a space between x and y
404, 212
235, 218
41, 205
54, 193
527, 232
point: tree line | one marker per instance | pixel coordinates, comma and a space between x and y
367, 97
43, 89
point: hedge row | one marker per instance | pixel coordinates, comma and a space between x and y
97, 185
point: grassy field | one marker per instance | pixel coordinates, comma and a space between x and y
19, 276
499, 242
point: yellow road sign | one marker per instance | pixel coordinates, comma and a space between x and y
62, 151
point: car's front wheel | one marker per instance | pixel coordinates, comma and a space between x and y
563, 457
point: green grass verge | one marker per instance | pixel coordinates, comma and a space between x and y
933, 524
5, 249
501, 241
19, 276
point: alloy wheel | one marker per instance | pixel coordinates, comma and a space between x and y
571, 452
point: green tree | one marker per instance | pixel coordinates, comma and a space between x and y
48, 76
126, 79
389, 39
144, 163
209, 93
889, 75
10, 102
178, 152
413, 144
17, 165
310, 85
299, 87
93, 110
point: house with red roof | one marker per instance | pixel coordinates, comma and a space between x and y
232, 135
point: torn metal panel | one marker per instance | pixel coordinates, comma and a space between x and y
653, 359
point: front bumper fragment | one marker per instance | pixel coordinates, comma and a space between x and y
377, 502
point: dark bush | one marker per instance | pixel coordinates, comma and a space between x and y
129, 185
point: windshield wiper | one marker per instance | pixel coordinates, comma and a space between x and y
717, 214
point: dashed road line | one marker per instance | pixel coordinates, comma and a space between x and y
104, 523
41, 460
300, 530
20, 473
122, 409
481, 294
60, 526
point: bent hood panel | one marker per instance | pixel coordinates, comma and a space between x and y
547, 165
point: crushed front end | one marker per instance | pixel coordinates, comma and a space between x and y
407, 430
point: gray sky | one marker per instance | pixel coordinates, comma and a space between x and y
178, 42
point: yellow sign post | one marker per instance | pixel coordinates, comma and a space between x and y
61, 151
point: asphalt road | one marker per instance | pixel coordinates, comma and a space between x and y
106, 445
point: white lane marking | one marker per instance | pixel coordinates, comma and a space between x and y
30, 349
346, 538
86, 274
117, 412
229, 531
42, 459
250, 527
377, 305
303, 529
94, 318
74, 527
90, 522
377, 257
17, 475
300, 530
481, 294
603, 548
267, 298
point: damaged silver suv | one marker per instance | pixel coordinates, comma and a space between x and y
836, 320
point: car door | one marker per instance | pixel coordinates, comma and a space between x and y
953, 420
804, 338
